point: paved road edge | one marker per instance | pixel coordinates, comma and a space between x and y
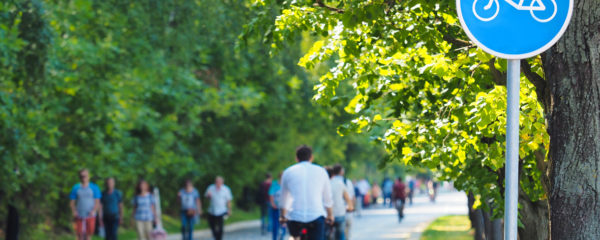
227, 228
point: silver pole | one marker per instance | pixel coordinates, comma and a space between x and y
512, 151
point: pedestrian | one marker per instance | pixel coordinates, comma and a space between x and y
264, 203
399, 197
306, 191
112, 209
363, 187
352, 194
278, 230
220, 206
85, 202
341, 203
433, 190
375, 193
387, 187
191, 208
144, 210
358, 204
411, 190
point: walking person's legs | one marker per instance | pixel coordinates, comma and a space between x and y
264, 218
148, 229
274, 214
186, 226
399, 209
348, 223
219, 222
340, 228
90, 227
139, 228
78, 229
111, 225
358, 205
191, 222
183, 225
282, 230
213, 225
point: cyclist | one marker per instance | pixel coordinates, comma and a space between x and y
399, 197
305, 187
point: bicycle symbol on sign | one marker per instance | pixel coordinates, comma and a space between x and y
536, 6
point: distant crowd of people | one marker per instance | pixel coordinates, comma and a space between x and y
307, 201
88, 203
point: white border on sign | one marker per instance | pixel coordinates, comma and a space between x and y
515, 56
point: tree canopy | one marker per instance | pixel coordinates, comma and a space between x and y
414, 73
161, 90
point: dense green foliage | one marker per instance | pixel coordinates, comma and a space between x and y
154, 89
414, 73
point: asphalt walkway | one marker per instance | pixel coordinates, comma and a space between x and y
376, 223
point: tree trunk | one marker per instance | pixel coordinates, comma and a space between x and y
572, 69
476, 217
535, 218
497, 229
494, 229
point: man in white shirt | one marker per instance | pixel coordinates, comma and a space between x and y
341, 202
306, 197
220, 205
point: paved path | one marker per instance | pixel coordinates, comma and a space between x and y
380, 223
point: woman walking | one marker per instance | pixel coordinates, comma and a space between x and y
144, 210
190, 208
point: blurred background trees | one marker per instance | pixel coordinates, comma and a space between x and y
156, 89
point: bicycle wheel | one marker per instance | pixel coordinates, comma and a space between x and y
547, 5
485, 9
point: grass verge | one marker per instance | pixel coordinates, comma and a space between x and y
456, 227
171, 224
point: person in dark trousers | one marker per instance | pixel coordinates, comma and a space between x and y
399, 197
263, 201
12, 223
112, 209
191, 207
220, 206
306, 188
277, 229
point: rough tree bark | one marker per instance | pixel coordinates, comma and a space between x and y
572, 69
535, 218
476, 217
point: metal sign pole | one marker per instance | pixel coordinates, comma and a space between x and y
512, 150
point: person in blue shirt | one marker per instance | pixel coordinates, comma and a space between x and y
85, 202
191, 207
411, 190
275, 205
112, 209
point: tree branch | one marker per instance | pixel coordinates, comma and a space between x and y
458, 43
538, 81
498, 77
319, 3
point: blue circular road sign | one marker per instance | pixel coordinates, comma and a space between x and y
514, 29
